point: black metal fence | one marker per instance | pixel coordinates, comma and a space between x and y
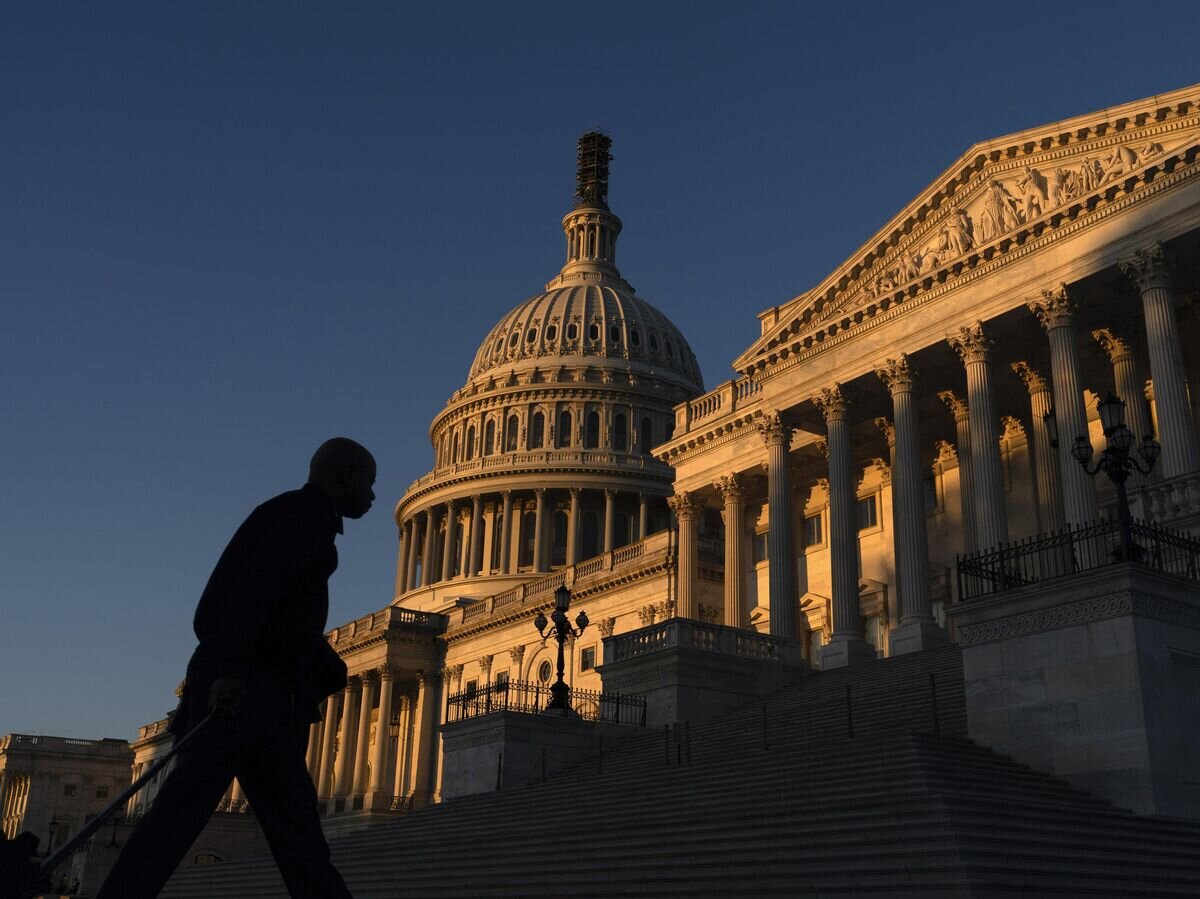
1072, 550
534, 699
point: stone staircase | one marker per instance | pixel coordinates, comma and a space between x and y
783, 802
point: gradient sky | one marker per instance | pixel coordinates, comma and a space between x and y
231, 230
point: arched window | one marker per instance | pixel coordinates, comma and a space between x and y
591, 438
470, 450
454, 452
646, 436
489, 437
620, 433
510, 434
528, 527
537, 431
563, 437
558, 546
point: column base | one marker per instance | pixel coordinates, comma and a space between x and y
846, 651
377, 800
915, 636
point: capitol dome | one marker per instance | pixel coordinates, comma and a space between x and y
543, 457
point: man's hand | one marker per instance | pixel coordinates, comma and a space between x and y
226, 695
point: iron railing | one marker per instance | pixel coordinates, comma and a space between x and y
534, 699
1072, 550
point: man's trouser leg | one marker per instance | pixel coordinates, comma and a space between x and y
281, 792
203, 771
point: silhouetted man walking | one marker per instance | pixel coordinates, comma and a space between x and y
263, 665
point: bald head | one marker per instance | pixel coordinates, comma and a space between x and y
345, 470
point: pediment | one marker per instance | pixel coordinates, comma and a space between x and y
995, 194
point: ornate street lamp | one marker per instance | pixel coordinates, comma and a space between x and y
53, 829
560, 693
113, 843
394, 727
1116, 461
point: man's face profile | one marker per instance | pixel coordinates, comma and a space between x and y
359, 495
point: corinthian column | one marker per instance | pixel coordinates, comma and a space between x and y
731, 491
476, 536
686, 510
402, 562
918, 629
573, 528
1054, 311
448, 543
643, 516
366, 699
376, 797
400, 776
539, 529
506, 534
846, 645
328, 731
781, 561
1177, 434
610, 497
991, 519
427, 577
966, 483
1045, 457
343, 768
1129, 387
414, 543
424, 747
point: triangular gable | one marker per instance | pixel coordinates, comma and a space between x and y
989, 195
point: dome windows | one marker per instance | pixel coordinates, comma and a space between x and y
654, 343
670, 350
531, 335
614, 334
635, 338
594, 331
499, 344
573, 331
551, 332
512, 341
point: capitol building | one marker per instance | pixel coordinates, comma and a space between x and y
903, 464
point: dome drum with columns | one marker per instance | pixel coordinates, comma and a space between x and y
543, 458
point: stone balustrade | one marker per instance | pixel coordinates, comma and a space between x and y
592, 458
684, 633
1176, 501
384, 619
720, 401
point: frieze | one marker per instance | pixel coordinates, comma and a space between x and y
1163, 172
1097, 608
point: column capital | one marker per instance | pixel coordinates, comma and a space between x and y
369, 676
1115, 346
1149, 267
449, 504
773, 429
574, 491
517, 653
539, 492
605, 626
485, 664
352, 683
610, 493
946, 453
387, 672
428, 677
957, 405
1033, 380
1054, 308
887, 429
832, 403
897, 375
731, 487
971, 343
684, 505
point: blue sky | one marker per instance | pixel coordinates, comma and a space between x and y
231, 230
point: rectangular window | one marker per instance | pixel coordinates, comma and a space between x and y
587, 659
760, 547
867, 517
929, 489
101, 792
472, 687
501, 678
69, 790
812, 530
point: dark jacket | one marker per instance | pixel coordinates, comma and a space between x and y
266, 603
